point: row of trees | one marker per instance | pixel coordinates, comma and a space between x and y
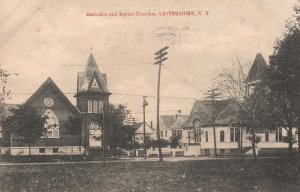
274, 100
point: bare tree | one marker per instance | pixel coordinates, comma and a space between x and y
248, 99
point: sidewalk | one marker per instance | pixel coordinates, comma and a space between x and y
125, 159
108, 160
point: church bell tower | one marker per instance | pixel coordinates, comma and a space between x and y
92, 96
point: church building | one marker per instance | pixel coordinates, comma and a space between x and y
91, 96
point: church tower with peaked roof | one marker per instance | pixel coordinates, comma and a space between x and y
92, 96
256, 73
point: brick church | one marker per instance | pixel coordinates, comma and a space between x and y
91, 95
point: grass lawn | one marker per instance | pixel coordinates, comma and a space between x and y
209, 175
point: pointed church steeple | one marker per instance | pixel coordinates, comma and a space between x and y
91, 77
92, 92
257, 69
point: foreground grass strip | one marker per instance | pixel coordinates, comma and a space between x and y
221, 175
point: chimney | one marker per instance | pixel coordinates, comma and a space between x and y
178, 114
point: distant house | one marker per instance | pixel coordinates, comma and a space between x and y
172, 125
149, 132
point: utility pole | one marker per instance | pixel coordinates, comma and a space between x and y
145, 103
133, 121
160, 58
103, 134
240, 127
212, 96
85, 137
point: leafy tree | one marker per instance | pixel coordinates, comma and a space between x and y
257, 139
4, 94
149, 143
175, 141
26, 125
155, 143
119, 129
73, 126
284, 77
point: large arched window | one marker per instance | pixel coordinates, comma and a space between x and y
206, 136
95, 107
221, 136
267, 134
90, 104
52, 125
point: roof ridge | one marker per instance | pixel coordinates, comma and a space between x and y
41, 87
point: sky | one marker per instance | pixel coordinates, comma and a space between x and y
41, 39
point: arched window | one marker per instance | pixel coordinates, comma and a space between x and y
196, 135
231, 134
221, 136
100, 106
237, 134
0, 131
206, 136
90, 106
280, 134
267, 134
199, 135
95, 107
52, 125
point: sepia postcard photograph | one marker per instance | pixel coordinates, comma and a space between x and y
149, 95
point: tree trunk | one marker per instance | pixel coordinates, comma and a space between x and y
115, 152
29, 155
290, 140
72, 153
241, 143
253, 145
115, 142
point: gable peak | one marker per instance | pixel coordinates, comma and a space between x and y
91, 72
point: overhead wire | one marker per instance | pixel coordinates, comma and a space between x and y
182, 79
115, 93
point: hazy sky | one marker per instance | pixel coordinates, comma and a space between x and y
41, 39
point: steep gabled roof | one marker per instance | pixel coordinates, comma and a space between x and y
172, 122
257, 69
148, 129
85, 79
41, 89
202, 111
